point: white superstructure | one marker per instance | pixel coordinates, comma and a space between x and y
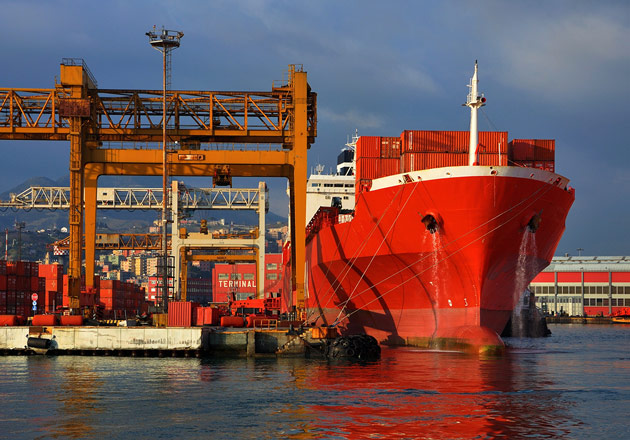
327, 189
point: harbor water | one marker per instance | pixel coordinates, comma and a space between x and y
574, 384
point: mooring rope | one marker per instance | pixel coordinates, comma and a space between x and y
345, 303
348, 265
338, 320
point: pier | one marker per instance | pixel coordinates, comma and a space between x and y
159, 341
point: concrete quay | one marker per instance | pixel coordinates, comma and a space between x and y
156, 341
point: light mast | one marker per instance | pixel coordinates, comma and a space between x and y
474, 101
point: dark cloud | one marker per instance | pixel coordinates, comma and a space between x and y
554, 69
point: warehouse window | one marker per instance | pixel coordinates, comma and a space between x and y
248, 276
272, 276
235, 276
272, 266
224, 276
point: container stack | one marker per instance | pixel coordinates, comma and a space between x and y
87, 298
119, 298
52, 274
425, 149
533, 153
376, 157
18, 282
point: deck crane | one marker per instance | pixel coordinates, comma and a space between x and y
76, 110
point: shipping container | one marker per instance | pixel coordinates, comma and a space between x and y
429, 141
532, 149
208, 316
493, 159
368, 146
388, 167
367, 168
180, 313
390, 147
423, 161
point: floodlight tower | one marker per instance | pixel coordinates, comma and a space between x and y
166, 41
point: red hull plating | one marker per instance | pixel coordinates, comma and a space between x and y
383, 272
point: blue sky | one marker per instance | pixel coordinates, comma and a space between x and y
550, 69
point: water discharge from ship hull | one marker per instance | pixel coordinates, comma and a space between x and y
437, 300
523, 271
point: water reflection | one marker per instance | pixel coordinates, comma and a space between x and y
424, 394
76, 394
567, 386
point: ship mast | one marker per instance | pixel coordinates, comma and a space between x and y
474, 101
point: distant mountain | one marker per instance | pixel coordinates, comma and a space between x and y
110, 220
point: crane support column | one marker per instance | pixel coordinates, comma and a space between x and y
76, 108
90, 191
298, 186
260, 250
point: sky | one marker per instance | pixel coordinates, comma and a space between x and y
549, 69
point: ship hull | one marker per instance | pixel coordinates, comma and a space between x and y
385, 274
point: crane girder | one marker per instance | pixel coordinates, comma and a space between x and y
117, 241
136, 115
38, 197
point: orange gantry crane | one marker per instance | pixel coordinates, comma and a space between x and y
118, 132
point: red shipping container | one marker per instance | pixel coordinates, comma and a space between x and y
368, 146
20, 268
388, 167
23, 298
367, 168
52, 271
3, 282
23, 283
3, 298
493, 159
423, 161
452, 141
52, 284
180, 313
207, 316
11, 296
3, 310
50, 302
11, 282
390, 147
532, 149
3, 267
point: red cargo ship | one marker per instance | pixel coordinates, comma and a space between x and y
437, 253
